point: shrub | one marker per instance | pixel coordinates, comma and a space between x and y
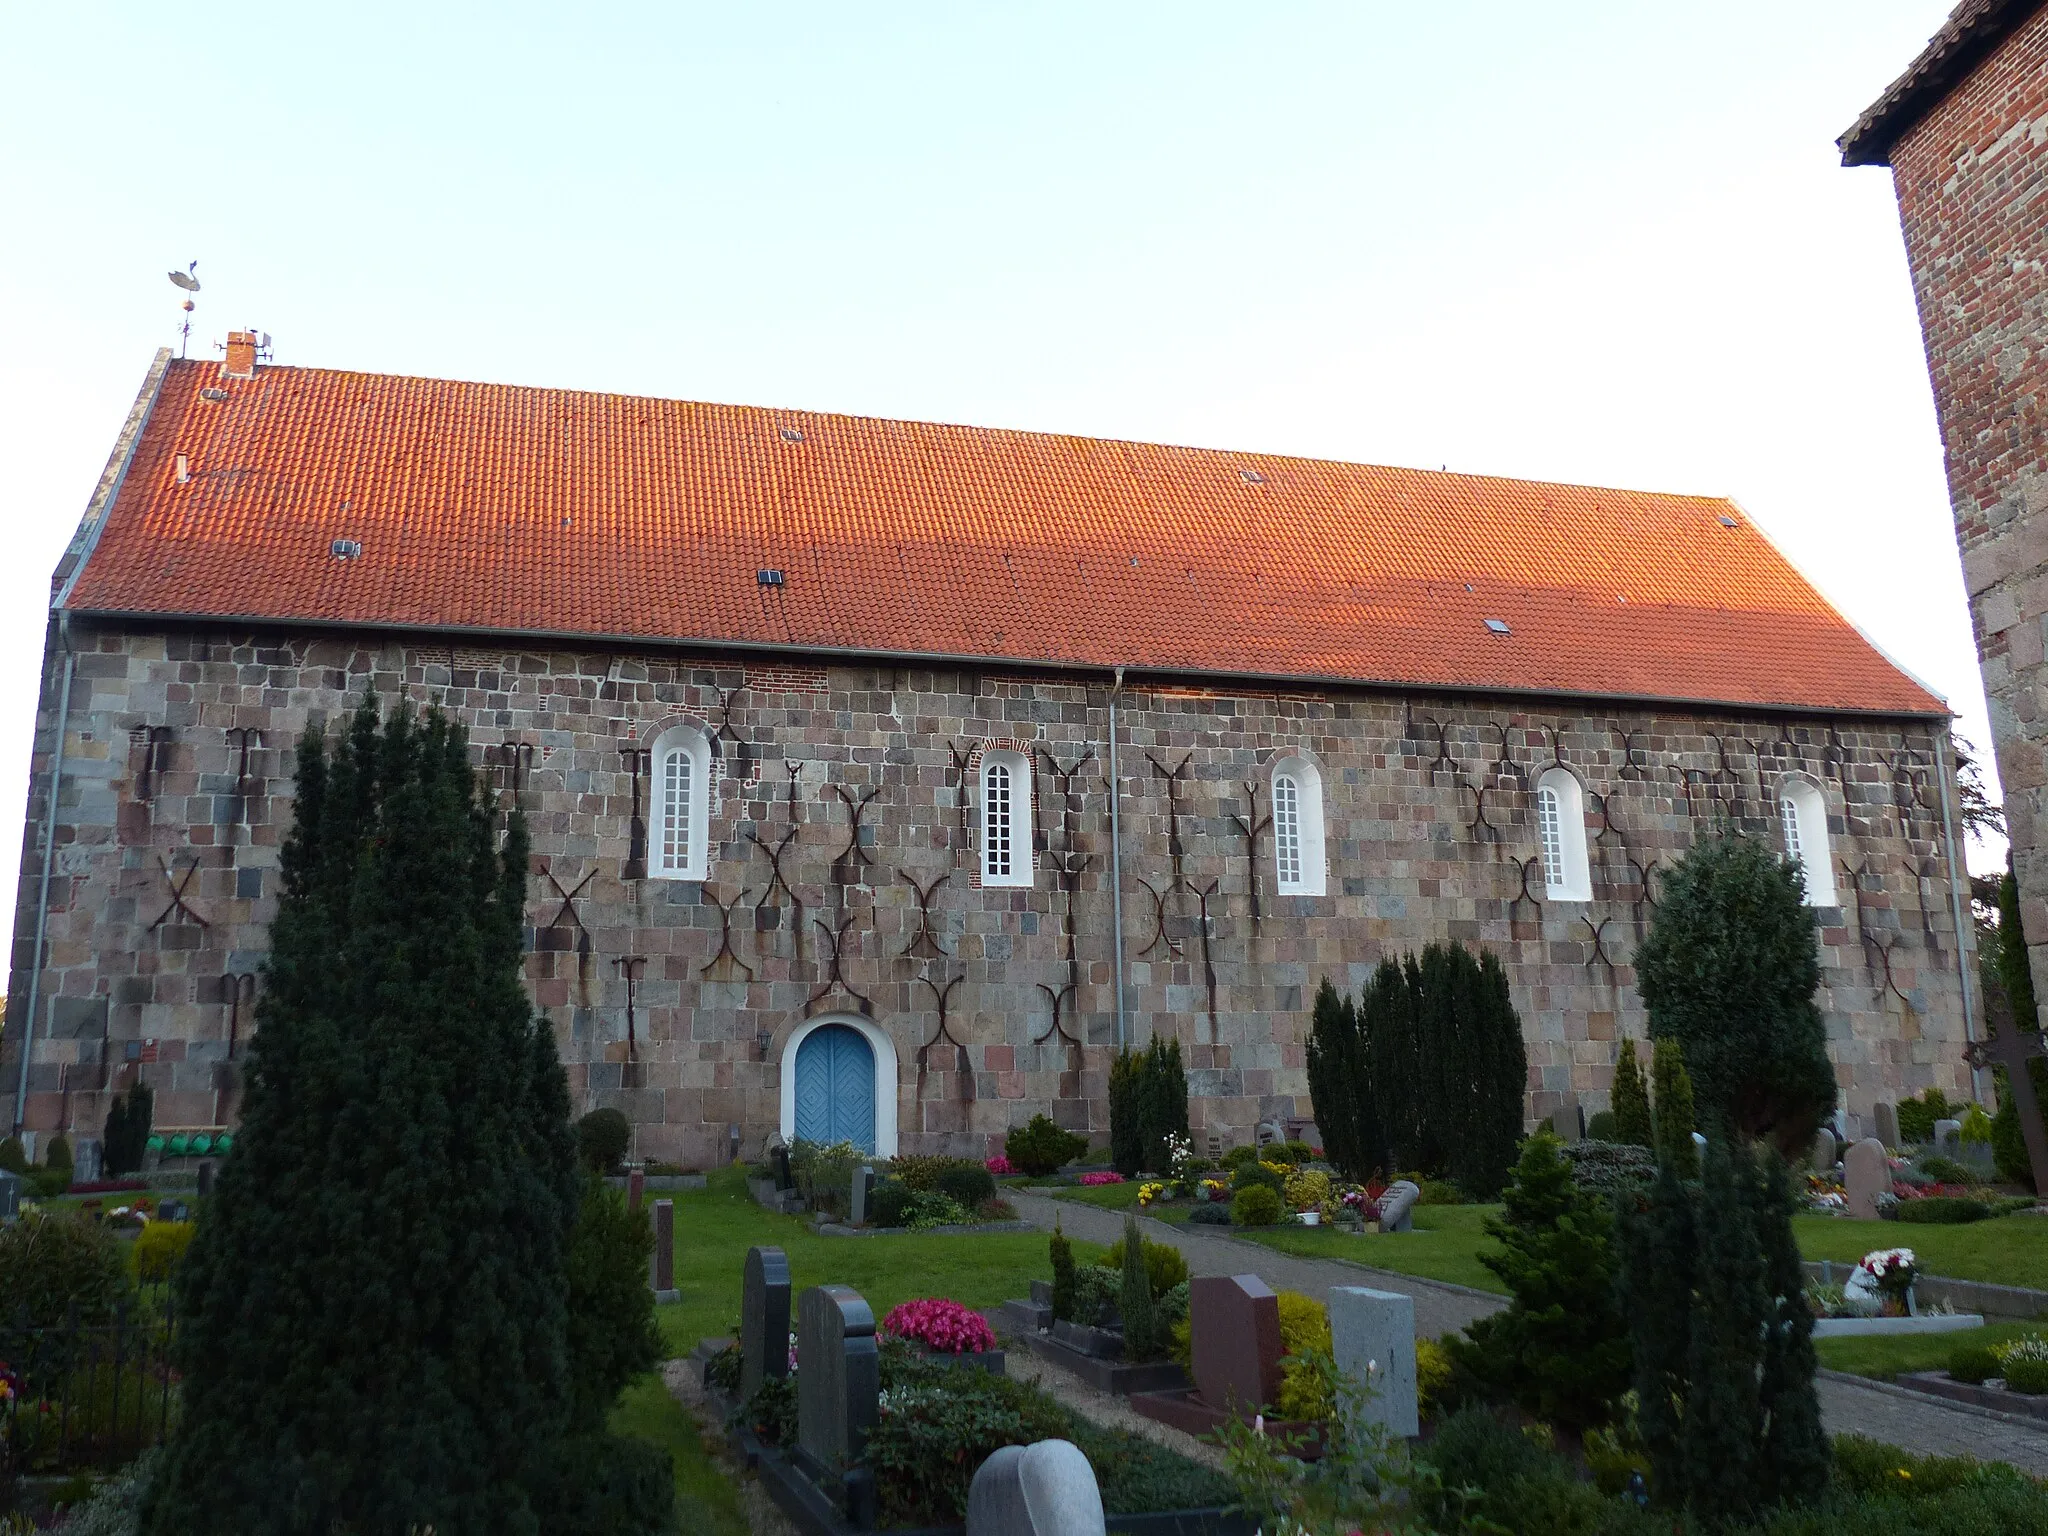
158, 1247
1256, 1205
1270, 1175
921, 1171
1675, 1120
1163, 1264
940, 1325
1976, 1126
1474, 1448
1095, 1291
2024, 1364
1609, 1168
1062, 1273
889, 1203
58, 1157
771, 1411
1298, 1152
1236, 1157
1865, 1466
927, 1208
1210, 1214
603, 1137
1946, 1170
1440, 1192
726, 1370
967, 1184
1631, 1099
1974, 1363
1943, 1210
127, 1130
13, 1159
611, 1335
1729, 968
1600, 1126
1432, 1374
1142, 1340
824, 1174
1162, 1102
52, 1259
1917, 1116
2012, 1205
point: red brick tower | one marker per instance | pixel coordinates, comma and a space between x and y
1965, 132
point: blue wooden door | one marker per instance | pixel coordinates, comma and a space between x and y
835, 1087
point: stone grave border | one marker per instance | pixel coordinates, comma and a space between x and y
1982, 1395
949, 1229
662, 1182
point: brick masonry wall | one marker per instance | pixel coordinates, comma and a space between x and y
1969, 179
167, 853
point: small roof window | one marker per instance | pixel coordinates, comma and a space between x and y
1498, 626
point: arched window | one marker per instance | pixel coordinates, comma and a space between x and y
1803, 813
1561, 828
1005, 818
1299, 863
679, 830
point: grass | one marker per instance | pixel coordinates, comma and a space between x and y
1116, 1197
707, 1501
1887, 1357
1445, 1245
2011, 1250
716, 1226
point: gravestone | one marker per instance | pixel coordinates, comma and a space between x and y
663, 1260
172, 1210
10, 1195
636, 1188
1948, 1137
764, 1319
85, 1163
862, 1192
1866, 1174
778, 1159
1568, 1122
1397, 1206
838, 1388
1372, 1337
1885, 1120
1825, 1152
1234, 1328
1044, 1489
205, 1178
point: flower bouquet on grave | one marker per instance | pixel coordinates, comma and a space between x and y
1000, 1166
1214, 1190
1149, 1192
1891, 1272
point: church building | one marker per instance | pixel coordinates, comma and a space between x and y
884, 777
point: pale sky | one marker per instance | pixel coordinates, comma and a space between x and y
1606, 243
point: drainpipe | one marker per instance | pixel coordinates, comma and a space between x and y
35, 968
1116, 860
1955, 901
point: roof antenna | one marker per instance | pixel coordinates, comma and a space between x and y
188, 280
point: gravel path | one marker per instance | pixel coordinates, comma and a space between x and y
1849, 1405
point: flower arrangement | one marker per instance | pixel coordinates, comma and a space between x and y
1000, 1166
1214, 1189
1891, 1270
1180, 1151
1091, 1180
1308, 1191
1147, 1193
945, 1327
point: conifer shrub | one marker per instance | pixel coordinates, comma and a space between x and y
1062, 1274
1163, 1264
158, 1247
1674, 1119
1041, 1148
13, 1156
1340, 1084
1162, 1102
603, 1138
1252, 1171
1236, 1157
1729, 968
1974, 1363
1917, 1115
126, 1136
1256, 1205
1142, 1340
967, 1184
401, 1194
1561, 1349
1126, 1114
1600, 1126
51, 1259
1631, 1099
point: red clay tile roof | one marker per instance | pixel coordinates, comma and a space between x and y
483, 507
1973, 31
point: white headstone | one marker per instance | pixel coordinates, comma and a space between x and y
1866, 1174
1044, 1489
1568, 1122
1825, 1151
1373, 1339
1948, 1136
1397, 1206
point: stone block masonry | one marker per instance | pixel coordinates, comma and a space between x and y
843, 876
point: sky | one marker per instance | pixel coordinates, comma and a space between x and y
1603, 243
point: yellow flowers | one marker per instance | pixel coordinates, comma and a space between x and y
1147, 1193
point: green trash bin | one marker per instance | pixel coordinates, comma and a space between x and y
175, 1147
201, 1144
224, 1143
155, 1144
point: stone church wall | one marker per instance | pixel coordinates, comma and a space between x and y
844, 875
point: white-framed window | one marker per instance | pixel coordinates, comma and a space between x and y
679, 806
1803, 815
1005, 818
1561, 829
1299, 863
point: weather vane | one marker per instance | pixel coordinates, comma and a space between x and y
188, 281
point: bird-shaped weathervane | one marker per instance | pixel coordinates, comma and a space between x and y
188, 280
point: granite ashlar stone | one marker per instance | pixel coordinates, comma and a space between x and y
1234, 1337
764, 1318
1372, 1336
1397, 1206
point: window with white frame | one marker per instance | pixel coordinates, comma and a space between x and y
1561, 829
1299, 864
679, 830
1005, 818
1803, 812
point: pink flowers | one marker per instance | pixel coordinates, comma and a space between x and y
1000, 1166
1092, 1179
941, 1325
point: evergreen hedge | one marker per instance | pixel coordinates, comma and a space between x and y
376, 1331
126, 1137
2016, 976
1148, 1101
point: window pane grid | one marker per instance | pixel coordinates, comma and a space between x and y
996, 819
1287, 829
675, 810
1549, 824
1789, 810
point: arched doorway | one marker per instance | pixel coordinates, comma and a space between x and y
839, 1084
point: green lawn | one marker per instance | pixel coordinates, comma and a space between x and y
1886, 1358
2013, 1250
1116, 1197
707, 1502
1445, 1245
716, 1226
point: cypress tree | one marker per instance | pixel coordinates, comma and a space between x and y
1659, 1259
1062, 1272
1162, 1101
375, 1331
1795, 1447
1631, 1099
1134, 1300
1724, 1359
1561, 1349
1498, 1064
1674, 1120
1730, 968
126, 1138
1126, 1115
1339, 1085
1386, 1021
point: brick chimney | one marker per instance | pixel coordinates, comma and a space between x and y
241, 358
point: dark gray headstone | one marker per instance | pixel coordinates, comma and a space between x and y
1044, 1489
664, 1256
172, 1210
1885, 1122
1948, 1137
10, 1195
636, 1188
778, 1158
860, 1194
764, 1319
838, 1379
1568, 1122
1397, 1206
205, 1178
